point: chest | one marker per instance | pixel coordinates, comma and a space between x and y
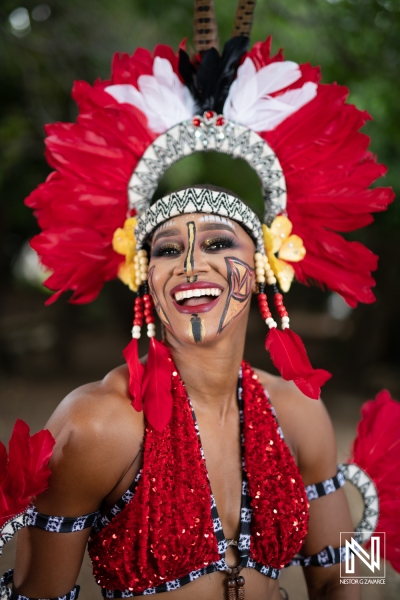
194, 494
222, 451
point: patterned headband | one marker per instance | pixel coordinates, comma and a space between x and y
211, 132
199, 200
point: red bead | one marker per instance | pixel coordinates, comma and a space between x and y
148, 304
138, 322
263, 302
262, 297
146, 297
150, 319
196, 122
138, 301
148, 312
139, 314
278, 296
284, 313
220, 121
210, 114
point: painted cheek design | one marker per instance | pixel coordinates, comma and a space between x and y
239, 280
157, 303
196, 328
188, 265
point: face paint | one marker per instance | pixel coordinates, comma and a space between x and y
196, 328
240, 280
217, 221
188, 265
157, 303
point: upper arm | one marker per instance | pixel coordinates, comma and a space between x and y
309, 433
95, 445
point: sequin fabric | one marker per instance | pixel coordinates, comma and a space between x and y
167, 530
278, 497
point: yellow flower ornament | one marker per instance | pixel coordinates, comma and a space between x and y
124, 242
281, 247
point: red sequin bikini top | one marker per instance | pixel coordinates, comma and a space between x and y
166, 532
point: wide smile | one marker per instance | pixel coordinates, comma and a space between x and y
197, 297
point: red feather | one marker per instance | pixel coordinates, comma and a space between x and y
157, 384
325, 160
136, 374
376, 449
24, 473
290, 358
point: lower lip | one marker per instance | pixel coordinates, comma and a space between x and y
200, 308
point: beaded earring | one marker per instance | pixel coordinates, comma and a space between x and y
264, 274
143, 307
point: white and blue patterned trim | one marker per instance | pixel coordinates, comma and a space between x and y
318, 490
61, 524
199, 200
369, 520
229, 138
6, 592
326, 558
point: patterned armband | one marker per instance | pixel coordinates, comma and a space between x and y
326, 558
7, 593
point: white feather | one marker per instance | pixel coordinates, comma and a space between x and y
249, 102
161, 97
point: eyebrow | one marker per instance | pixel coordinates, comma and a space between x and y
215, 226
166, 233
206, 226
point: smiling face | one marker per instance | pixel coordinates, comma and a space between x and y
201, 275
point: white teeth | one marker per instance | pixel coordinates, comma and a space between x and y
197, 293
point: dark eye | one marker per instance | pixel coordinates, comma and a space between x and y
167, 249
219, 243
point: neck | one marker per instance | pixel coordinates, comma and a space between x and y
210, 371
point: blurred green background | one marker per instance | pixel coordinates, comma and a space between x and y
45, 352
44, 47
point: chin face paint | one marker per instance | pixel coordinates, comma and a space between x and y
240, 277
196, 328
189, 258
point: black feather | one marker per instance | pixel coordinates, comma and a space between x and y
210, 84
231, 55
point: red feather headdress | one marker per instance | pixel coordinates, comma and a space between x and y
325, 161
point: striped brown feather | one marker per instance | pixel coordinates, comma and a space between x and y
244, 18
205, 26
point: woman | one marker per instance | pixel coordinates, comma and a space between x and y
99, 438
139, 481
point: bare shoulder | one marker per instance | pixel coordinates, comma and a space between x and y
98, 434
306, 426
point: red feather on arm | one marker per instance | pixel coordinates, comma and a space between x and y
136, 374
290, 358
157, 384
376, 449
24, 473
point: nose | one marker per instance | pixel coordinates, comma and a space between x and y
193, 261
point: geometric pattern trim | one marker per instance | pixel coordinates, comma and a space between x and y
61, 524
326, 558
11, 527
359, 478
317, 490
199, 200
5, 591
229, 138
